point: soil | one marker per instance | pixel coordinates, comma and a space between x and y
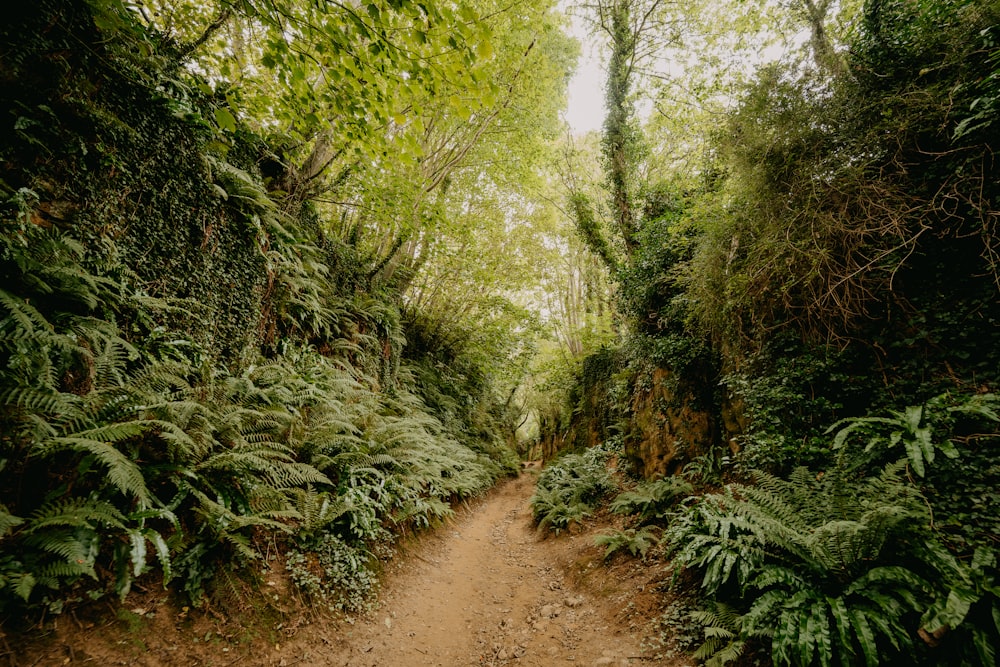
485, 589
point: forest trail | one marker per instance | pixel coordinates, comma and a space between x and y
484, 590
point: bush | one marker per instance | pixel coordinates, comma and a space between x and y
843, 565
653, 499
570, 487
333, 572
637, 541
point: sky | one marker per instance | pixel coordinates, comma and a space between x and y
585, 111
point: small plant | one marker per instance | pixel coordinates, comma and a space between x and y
334, 572
914, 428
552, 509
653, 499
569, 488
638, 541
966, 613
721, 627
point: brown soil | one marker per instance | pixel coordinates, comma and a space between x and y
486, 589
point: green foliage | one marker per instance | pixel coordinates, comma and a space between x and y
968, 604
833, 218
637, 541
570, 487
913, 429
333, 573
823, 563
721, 626
841, 566
187, 371
652, 500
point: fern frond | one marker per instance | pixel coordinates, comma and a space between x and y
111, 362
724, 639
123, 473
74, 513
42, 399
26, 317
8, 521
22, 583
317, 509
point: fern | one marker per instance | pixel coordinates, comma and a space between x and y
811, 565
122, 473
914, 428
636, 541
316, 509
553, 510
8, 521
652, 500
74, 513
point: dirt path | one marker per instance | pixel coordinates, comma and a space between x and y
486, 591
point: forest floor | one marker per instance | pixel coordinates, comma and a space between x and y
486, 588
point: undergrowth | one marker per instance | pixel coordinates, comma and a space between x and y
570, 487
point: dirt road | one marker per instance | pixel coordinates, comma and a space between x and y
485, 591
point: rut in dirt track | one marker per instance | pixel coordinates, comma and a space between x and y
487, 591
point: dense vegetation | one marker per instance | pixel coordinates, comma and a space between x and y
219, 349
808, 298
281, 281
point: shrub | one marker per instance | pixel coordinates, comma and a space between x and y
637, 541
569, 488
653, 499
842, 565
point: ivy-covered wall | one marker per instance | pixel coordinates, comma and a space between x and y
112, 146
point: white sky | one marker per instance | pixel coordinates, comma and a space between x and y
585, 111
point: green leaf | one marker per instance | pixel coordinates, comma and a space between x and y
866, 638
985, 648
122, 472
842, 620
8, 521
24, 583
225, 119
138, 552
162, 553
915, 456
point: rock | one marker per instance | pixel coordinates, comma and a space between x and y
550, 611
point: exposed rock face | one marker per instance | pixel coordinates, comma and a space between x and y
667, 430
668, 421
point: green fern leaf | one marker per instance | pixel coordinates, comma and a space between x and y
8, 521
842, 621
865, 636
818, 627
74, 513
162, 553
41, 399
123, 473
137, 552
26, 316
24, 583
